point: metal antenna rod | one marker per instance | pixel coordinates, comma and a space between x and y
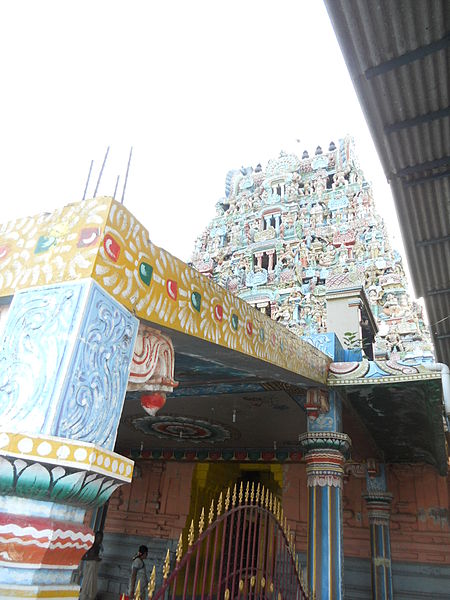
87, 182
126, 175
115, 189
101, 171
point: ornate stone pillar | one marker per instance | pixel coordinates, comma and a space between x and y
270, 254
379, 502
65, 355
259, 256
325, 450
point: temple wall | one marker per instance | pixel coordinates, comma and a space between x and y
153, 510
420, 523
156, 503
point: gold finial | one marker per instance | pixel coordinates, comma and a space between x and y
227, 594
241, 492
241, 585
137, 591
252, 492
227, 500
253, 578
289, 536
257, 493
211, 513
152, 583
179, 550
234, 498
271, 587
279, 513
247, 491
219, 504
275, 507
270, 502
166, 566
279, 596
191, 533
263, 582
201, 522
263, 492
284, 522
267, 498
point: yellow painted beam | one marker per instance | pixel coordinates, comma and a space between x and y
101, 239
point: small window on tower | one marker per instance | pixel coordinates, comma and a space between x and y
265, 261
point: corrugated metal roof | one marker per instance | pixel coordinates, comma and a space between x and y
398, 55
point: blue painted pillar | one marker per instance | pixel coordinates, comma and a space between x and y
65, 356
325, 450
378, 502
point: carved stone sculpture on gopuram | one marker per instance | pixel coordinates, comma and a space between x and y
284, 236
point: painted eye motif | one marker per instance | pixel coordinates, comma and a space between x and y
112, 247
172, 289
218, 312
196, 301
145, 273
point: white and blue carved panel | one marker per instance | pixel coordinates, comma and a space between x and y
65, 356
35, 351
96, 383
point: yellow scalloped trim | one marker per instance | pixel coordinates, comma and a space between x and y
64, 452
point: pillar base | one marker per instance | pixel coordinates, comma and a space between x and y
46, 485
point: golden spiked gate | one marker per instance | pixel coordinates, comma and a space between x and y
246, 552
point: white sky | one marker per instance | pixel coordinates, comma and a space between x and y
196, 87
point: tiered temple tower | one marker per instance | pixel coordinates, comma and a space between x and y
283, 235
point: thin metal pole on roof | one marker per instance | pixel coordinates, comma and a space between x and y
126, 175
88, 178
117, 185
101, 172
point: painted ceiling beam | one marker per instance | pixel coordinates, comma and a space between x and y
408, 57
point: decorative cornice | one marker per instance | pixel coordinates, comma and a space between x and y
219, 455
377, 372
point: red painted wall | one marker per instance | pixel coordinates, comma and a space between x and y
157, 504
420, 520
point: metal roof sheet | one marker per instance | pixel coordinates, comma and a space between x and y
398, 55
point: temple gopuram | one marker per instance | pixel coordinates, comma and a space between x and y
285, 237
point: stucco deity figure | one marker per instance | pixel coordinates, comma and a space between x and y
394, 341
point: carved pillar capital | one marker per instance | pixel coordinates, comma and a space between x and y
325, 457
379, 506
